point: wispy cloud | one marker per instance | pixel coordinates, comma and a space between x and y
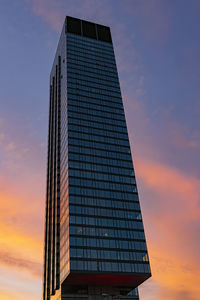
15, 286
53, 13
13, 261
171, 206
49, 11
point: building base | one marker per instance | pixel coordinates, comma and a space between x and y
96, 293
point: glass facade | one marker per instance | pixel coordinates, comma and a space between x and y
97, 224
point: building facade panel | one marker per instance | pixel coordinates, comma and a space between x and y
95, 245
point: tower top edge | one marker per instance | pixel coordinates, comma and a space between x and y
87, 29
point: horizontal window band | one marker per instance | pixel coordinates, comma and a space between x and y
71, 109
100, 46
106, 121
94, 67
113, 208
118, 105
114, 198
87, 58
118, 261
96, 148
94, 101
91, 79
118, 200
107, 238
98, 76
88, 180
111, 74
98, 134
108, 249
80, 89
109, 163
100, 156
92, 175
85, 55
104, 217
79, 104
84, 39
89, 46
94, 125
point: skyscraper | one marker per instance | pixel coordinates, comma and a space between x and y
95, 245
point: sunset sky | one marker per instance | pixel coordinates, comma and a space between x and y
157, 48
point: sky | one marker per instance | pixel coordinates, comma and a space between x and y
157, 48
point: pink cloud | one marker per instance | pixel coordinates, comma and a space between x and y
48, 11
171, 209
53, 13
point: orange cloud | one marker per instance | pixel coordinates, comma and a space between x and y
171, 210
21, 235
13, 285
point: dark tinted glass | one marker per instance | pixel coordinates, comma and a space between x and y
103, 33
89, 29
73, 25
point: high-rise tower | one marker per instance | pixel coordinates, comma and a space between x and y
95, 245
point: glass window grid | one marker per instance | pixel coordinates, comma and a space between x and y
111, 194
89, 83
108, 255
91, 49
101, 202
92, 112
97, 131
104, 184
97, 76
98, 138
100, 168
106, 232
88, 96
105, 243
104, 212
91, 64
118, 223
87, 51
100, 153
73, 114
102, 51
86, 40
102, 176
100, 101
85, 86
106, 83
100, 160
84, 93
94, 106
109, 266
90, 46
90, 68
81, 89
90, 55
98, 125
88, 61
78, 55
99, 45
90, 42
106, 222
